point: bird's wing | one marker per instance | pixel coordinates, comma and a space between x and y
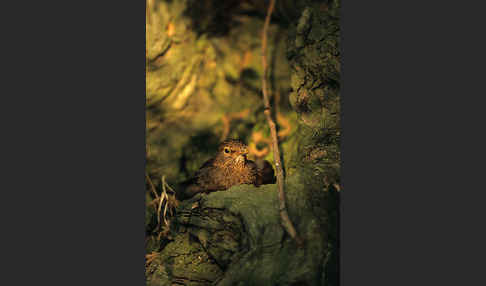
204, 167
201, 182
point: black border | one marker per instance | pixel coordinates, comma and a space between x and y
411, 204
73, 103
74, 108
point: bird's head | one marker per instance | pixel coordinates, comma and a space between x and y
233, 151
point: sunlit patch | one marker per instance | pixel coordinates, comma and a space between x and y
170, 29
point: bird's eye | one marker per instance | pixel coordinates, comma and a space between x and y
226, 150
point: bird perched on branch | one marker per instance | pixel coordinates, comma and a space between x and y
229, 167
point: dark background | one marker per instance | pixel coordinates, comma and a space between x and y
73, 143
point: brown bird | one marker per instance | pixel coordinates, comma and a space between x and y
229, 167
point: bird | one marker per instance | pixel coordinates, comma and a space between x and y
229, 167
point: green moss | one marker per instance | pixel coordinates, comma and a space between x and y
266, 256
184, 261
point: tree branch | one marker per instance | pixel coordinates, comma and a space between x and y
286, 223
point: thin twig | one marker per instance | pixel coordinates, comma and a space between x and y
170, 189
286, 223
167, 200
150, 257
152, 187
162, 198
337, 187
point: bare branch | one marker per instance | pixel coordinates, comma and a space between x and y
152, 187
286, 223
